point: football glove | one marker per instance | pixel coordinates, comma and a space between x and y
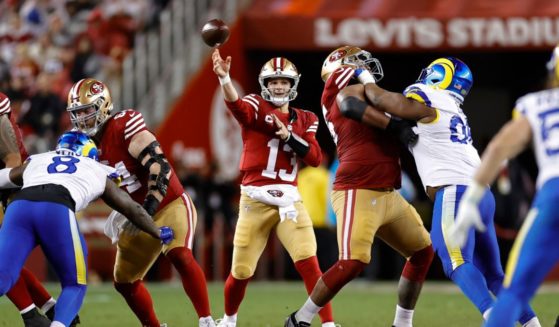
402, 129
468, 216
166, 234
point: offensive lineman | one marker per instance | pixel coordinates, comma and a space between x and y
446, 160
126, 144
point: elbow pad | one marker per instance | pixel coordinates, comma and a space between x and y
298, 144
157, 182
353, 108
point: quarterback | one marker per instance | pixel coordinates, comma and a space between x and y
364, 197
534, 252
54, 186
126, 144
446, 160
275, 136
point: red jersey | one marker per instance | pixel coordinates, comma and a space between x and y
266, 159
115, 140
369, 157
5, 109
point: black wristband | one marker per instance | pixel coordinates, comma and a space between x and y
151, 204
298, 145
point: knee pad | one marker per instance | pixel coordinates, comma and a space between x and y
341, 273
417, 266
241, 271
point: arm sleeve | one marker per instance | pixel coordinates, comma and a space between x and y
314, 156
245, 110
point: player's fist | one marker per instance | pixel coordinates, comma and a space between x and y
166, 234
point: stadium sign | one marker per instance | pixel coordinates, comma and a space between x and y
398, 34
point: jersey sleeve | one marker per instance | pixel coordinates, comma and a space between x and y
130, 123
314, 156
416, 93
339, 79
245, 110
5, 107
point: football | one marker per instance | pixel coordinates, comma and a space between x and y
215, 33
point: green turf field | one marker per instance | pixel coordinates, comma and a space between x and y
266, 304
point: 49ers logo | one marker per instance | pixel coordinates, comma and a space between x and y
337, 55
275, 193
96, 88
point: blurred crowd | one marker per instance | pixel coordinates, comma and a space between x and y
47, 45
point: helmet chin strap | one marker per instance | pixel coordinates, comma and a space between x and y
278, 102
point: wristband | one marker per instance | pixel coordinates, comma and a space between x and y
5, 181
224, 80
365, 77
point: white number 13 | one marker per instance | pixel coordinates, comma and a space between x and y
270, 170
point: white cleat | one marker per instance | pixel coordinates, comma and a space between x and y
206, 322
224, 323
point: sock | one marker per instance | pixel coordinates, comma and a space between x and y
310, 272
37, 291
19, 296
417, 266
69, 303
403, 317
307, 311
341, 273
486, 314
534, 322
193, 279
232, 318
139, 301
234, 293
506, 310
29, 308
473, 285
56, 324
48, 305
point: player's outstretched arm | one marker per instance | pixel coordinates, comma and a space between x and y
121, 201
11, 177
512, 139
9, 151
145, 148
397, 104
221, 69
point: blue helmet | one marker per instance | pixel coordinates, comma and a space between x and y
449, 74
77, 143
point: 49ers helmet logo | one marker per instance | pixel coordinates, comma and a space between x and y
337, 55
96, 88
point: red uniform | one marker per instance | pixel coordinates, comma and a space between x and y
114, 143
369, 157
5, 109
277, 165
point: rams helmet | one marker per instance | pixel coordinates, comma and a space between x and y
351, 56
89, 104
77, 143
448, 74
279, 68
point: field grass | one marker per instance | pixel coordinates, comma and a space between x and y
266, 305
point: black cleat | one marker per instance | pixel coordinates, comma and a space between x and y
34, 318
556, 322
50, 315
291, 321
